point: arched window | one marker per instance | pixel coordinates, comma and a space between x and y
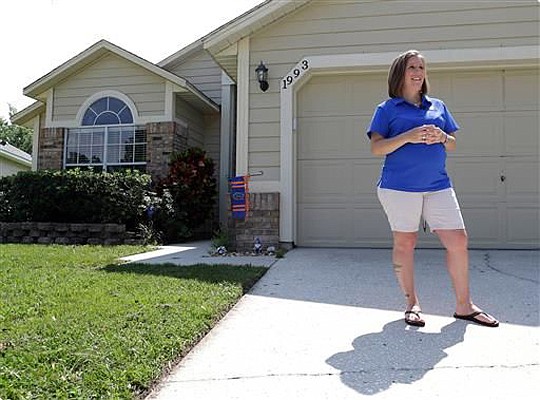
107, 111
107, 140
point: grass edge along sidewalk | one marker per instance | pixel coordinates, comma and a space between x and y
76, 323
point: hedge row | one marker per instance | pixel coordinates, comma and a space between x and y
74, 196
169, 210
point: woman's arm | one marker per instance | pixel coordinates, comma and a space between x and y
381, 146
450, 144
428, 134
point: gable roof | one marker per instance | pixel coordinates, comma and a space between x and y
198, 45
228, 34
249, 22
26, 115
215, 42
182, 54
15, 154
221, 43
37, 89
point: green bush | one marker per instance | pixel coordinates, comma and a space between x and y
187, 195
221, 238
74, 196
182, 202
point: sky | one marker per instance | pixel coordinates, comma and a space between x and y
37, 36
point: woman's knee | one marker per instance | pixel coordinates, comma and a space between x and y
405, 241
456, 240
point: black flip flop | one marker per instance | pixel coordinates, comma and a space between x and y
414, 322
472, 318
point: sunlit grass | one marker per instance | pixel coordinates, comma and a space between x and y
76, 324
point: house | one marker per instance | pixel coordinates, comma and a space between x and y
13, 160
326, 64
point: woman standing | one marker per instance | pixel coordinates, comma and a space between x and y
414, 132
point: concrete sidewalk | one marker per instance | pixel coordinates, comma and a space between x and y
196, 253
328, 324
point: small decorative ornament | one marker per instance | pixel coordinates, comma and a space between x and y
257, 246
221, 251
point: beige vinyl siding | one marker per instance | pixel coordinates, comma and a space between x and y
343, 27
202, 71
195, 121
211, 142
203, 129
145, 89
9, 167
382, 26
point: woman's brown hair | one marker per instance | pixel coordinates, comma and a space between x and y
397, 73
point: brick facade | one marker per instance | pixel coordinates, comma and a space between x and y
262, 223
51, 148
163, 138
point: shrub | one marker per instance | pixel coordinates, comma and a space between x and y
187, 194
74, 196
221, 238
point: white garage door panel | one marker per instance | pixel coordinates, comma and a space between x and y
479, 179
495, 168
366, 92
522, 133
365, 177
479, 134
327, 227
474, 91
483, 223
327, 139
370, 225
344, 227
333, 88
323, 182
523, 228
521, 179
521, 90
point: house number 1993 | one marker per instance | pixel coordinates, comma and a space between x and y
295, 74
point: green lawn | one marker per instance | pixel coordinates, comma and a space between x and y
74, 323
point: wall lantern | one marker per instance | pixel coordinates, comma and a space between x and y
262, 76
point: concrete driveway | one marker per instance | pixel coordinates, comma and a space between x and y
328, 324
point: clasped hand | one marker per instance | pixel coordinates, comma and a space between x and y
427, 134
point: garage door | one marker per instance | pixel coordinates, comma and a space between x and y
495, 169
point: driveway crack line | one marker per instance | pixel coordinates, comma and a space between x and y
352, 372
487, 263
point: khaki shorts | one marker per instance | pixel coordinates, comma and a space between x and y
404, 209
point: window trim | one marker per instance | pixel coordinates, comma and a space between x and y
107, 93
104, 164
134, 126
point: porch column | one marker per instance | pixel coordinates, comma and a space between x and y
227, 144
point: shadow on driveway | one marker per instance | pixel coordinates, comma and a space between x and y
395, 355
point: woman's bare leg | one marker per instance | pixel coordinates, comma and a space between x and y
403, 261
457, 259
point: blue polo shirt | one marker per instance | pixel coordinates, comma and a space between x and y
414, 167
